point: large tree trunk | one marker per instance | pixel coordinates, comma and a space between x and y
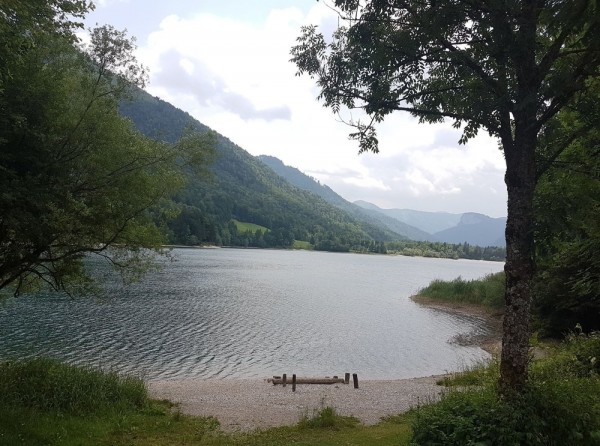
519, 267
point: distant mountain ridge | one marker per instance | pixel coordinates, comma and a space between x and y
476, 229
430, 222
470, 227
307, 183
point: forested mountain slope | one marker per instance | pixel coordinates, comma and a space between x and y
243, 188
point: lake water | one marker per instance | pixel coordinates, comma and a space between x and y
234, 313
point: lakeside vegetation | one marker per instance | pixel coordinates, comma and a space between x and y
45, 402
487, 292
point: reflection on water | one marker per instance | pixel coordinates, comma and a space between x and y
231, 313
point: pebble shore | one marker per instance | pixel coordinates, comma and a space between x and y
248, 404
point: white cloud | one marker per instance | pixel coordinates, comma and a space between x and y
234, 75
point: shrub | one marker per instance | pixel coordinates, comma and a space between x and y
561, 406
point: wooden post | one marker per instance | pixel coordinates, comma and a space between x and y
347, 378
294, 382
284, 379
355, 379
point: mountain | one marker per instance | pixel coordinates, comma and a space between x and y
476, 229
473, 228
243, 188
302, 181
430, 222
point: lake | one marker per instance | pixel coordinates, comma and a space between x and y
235, 313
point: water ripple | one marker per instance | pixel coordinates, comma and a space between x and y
248, 313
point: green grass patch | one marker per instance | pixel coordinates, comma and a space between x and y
488, 291
301, 244
249, 227
326, 417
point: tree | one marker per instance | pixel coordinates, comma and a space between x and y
76, 177
567, 204
506, 67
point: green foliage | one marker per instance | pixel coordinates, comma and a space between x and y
578, 356
49, 385
76, 177
446, 250
567, 288
488, 291
484, 374
560, 405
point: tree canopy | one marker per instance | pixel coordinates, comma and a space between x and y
76, 177
505, 67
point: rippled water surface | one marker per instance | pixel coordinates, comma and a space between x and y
232, 313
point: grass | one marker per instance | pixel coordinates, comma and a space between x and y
488, 292
251, 227
300, 244
46, 402
326, 417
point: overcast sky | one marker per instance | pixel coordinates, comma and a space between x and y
226, 62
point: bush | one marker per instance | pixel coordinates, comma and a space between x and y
561, 406
48, 384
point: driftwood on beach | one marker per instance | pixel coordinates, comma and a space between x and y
279, 380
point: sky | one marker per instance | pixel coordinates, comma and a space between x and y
227, 63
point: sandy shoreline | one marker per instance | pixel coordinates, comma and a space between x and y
248, 404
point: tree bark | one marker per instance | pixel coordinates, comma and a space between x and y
519, 267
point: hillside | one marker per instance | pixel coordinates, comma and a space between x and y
398, 229
243, 188
430, 222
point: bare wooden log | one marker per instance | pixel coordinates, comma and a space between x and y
347, 378
284, 380
294, 382
355, 379
278, 380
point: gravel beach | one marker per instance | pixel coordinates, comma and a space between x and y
243, 405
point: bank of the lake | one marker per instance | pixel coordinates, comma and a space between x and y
245, 405
489, 340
